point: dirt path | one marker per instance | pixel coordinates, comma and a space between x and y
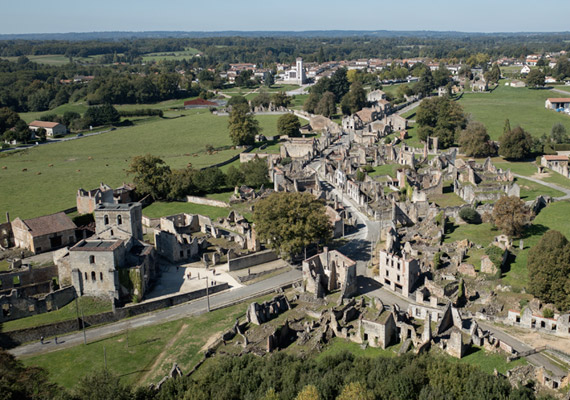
163, 354
211, 341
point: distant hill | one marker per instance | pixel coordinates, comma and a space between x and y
117, 35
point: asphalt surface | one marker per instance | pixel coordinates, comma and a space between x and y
170, 314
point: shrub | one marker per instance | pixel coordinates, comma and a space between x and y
548, 313
437, 260
470, 215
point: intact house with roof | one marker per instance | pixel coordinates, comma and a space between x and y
119, 220
51, 128
555, 103
556, 163
201, 103
45, 233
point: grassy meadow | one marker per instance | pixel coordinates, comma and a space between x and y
522, 106
45, 179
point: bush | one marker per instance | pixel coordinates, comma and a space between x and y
437, 260
470, 215
548, 313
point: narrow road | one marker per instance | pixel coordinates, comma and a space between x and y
170, 314
535, 359
550, 185
566, 92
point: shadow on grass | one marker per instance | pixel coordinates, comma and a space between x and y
534, 230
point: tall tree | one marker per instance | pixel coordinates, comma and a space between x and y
535, 78
327, 105
354, 100
549, 266
440, 117
290, 221
475, 141
516, 144
242, 125
151, 176
511, 215
289, 125
339, 84
558, 133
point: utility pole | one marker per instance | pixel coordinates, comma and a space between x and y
127, 336
82, 319
105, 356
207, 294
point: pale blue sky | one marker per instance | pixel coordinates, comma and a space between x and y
50, 16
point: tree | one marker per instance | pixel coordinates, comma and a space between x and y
8, 119
470, 215
535, 78
516, 144
506, 126
440, 117
327, 105
237, 100
268, 79
354, 100
289, 125
549, 266
441, 76
511, 215
339, 84
426, 84
475, 141
151, 176
255, 172
312, 102
280, 99
558, 133
261, 100
181, 183
309, 392
356, 391
494, 74
244, 79
102, 385
290, 221
210, 180
243, 126
102, 115
234, 177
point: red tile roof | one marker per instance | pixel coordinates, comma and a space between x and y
44, 124
559, 100
556, 158
199, 102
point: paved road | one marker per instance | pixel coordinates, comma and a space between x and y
566, 92
170, 314
535, 359
550, 185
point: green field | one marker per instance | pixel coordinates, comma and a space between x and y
552, 217
162, 209
522, 106
488, 361
531, 190
150, 353
88, 305
481, 234
104, 158
189, 52
56, 59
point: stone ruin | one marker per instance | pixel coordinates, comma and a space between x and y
259, 313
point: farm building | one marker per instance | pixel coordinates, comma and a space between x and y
201, 103
44, 233
52, 128
555, 103
556, 163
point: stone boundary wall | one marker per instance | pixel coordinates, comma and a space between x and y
251, 260
231, 160
15, 338
206, 202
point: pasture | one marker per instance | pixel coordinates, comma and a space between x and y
45, 179
522, 106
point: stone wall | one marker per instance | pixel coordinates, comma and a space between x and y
27, 275
205, 201
15, 305
251, 260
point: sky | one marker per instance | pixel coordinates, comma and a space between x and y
59, 16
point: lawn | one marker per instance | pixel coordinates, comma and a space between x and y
522, 106
89, 306
387, 169
189, 52
42, 189
162, 209
446, 200
488, 362
552, 217
531, 190
4, 266
150, 353
55, 59
481, 234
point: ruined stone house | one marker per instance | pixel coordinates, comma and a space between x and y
398, 273
329, 271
